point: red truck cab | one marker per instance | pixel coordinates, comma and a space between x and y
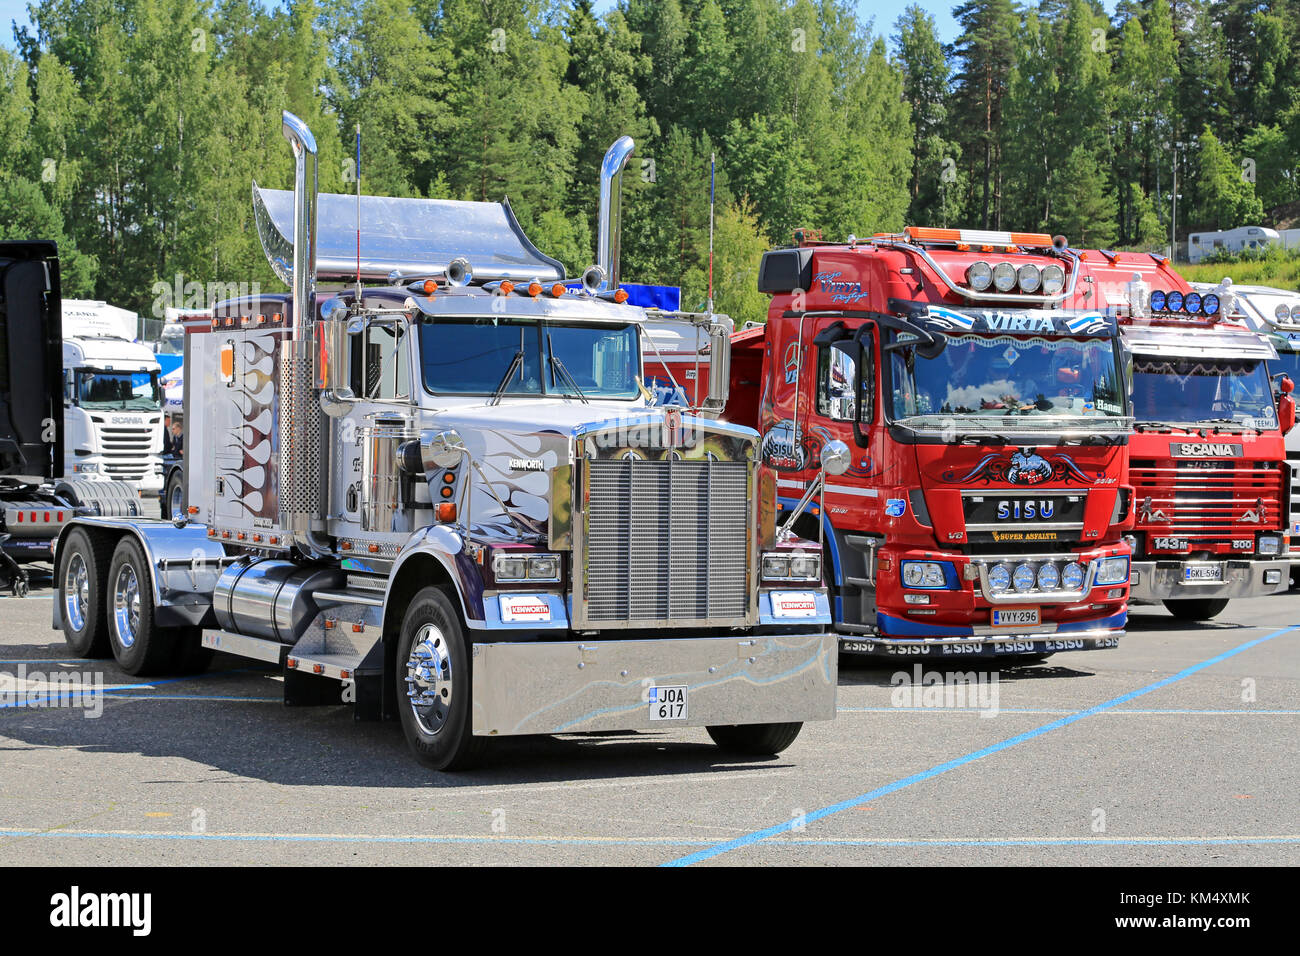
984, 508
1207, 457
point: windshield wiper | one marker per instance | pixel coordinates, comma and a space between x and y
1226, 421
1168, 426
559, 366
516, 363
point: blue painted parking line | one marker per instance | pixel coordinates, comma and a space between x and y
788, 825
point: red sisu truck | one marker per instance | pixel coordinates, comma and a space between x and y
985, 506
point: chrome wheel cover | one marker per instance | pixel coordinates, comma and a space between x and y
428, 680
126, 606
76, 591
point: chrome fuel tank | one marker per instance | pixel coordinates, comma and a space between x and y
271, 598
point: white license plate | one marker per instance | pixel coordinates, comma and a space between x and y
1015, 616
668, 703
1203, 572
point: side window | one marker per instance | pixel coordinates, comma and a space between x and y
380, 366
844, 385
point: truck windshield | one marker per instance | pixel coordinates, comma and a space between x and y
100, 389
1200, 390
1006, 376
479, 356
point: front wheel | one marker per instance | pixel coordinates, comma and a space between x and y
755, 739
1196, 609
433, 684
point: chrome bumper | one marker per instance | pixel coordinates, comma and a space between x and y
540, 687
1155, 581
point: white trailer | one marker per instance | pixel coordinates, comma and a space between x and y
1201, 245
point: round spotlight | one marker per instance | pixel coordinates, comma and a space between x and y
1174, 301
1024, 577
1283, 313
1210, 304
999, 577
1048, 577
1295, 313
1004, 277
979, 275
1072, 576
1053, 279
1192, 303
1157, 301
1030, 277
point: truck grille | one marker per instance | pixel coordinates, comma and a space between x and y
1293, 460
1210, 502
127, 450
667, 541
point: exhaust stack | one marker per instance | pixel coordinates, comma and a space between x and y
303, 427
611, 208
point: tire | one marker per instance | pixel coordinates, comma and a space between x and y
80, 576
755, 739
139, 645
1196, 609
433, 653
173, 498
189, 656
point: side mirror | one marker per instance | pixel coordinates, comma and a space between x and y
332, 357
719, 362
835, 457
442, 450
1286, 404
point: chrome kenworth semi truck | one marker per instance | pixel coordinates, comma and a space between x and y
446, 498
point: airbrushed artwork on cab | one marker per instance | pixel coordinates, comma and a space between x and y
517, 464
784, 449
246, 435
1023, 467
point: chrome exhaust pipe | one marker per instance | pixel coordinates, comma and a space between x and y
303, 426
611, 209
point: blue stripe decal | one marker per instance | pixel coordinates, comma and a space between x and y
942, 768
902, 627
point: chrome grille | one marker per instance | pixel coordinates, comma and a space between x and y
128, 450
667, 541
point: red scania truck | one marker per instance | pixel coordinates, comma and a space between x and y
1208, 459
984, 509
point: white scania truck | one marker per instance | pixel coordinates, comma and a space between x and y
113, 420
446, 498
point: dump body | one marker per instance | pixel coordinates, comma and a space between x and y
984, 509
1207, 460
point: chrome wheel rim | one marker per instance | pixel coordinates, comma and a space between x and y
428, 680
174, 504
76, 591
126, 606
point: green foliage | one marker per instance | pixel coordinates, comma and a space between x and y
1225, 199
1086, 206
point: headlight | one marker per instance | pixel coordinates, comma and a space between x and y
776, 566
1295, 313
923, 574
980, 276
1210, 304
1157, 301
1269, 545
526, 567
999, 577
1111, 571
1192, 303
1048, 577
1030, 277
805, 567
1024, 578
1174, 301
1283, 313
1053, 279
1072, 576
792, 567
1004, 277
